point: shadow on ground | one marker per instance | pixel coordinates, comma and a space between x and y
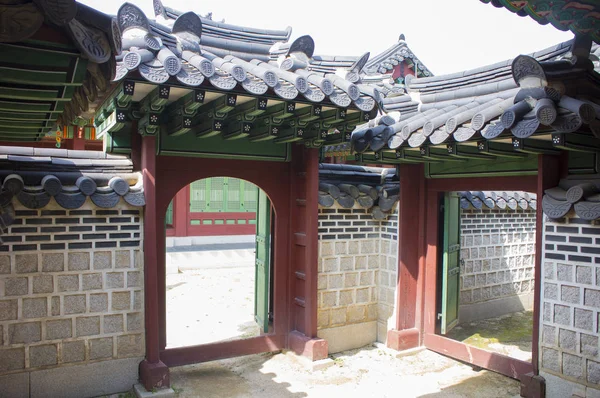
370, 372
239, 377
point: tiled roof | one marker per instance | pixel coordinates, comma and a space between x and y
500, 200
36, 175
388, 59
517, 96
371, 188
194, 49
578, 195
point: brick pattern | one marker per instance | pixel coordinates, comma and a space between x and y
71, 287
571, 300
357, 267
497, 253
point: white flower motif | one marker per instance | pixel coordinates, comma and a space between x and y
300, 133
247, 128
231, 100
291, 108
317, 111
343, 114
164, 92
200, 97
187, 122
262, 104
275, 130
120, 116
153, 118
481, 146
218, 125
449, 148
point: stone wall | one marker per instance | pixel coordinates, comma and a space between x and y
70, 295
497, 262
570, 359
388, 277
357, 276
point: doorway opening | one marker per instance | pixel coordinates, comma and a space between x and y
219, 268
486, 270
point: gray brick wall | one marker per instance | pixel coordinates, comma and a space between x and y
497, 253
71, 287
571, 301
357, 267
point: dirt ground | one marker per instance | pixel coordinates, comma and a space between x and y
209, 305
366, 372
508, 334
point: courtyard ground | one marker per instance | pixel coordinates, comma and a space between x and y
509, 334
366, 372
215, 303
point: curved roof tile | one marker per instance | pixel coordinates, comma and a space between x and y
193, 48
516, 95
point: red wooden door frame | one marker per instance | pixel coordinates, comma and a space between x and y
418, 263
295, 277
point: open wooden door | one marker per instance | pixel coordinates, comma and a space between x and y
450, 262
263, 261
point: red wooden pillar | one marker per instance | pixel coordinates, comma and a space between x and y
78, 142
181, 209
304, 255
410, 234
550, 170
153, 372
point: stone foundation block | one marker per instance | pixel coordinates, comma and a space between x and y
73, 351
35, 307
89, 380
101, 348
87, 326
8, 310
59, 329
53, 262
79, 261
42, 355
25, 333
43, 284
350, 336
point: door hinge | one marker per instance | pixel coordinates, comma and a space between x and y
439, 315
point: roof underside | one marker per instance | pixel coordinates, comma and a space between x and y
582, 17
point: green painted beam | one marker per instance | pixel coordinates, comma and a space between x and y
37, 93
576, 142
536, 147
31, 107
35, 57
18, 117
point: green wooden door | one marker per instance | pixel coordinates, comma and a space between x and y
263, 261
450, 262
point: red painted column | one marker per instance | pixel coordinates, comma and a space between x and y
304, 255
549, 172
153, 373
181, 208
312, 241
410, 225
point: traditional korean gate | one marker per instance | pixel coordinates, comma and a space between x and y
450, 262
